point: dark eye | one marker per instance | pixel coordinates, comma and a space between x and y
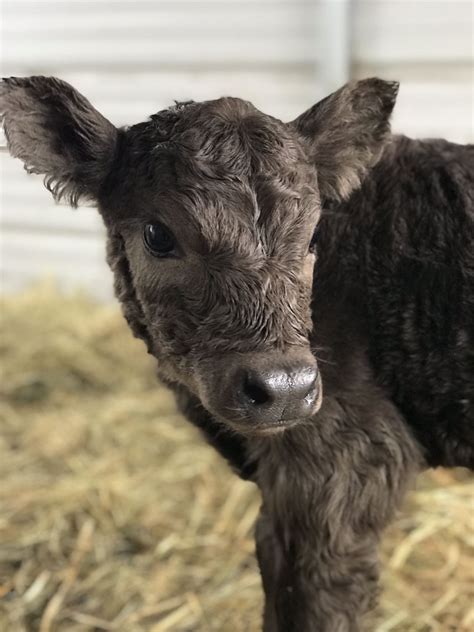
159, 240
312, 243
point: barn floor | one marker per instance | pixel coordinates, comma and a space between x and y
114, 515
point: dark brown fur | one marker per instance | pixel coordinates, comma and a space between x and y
388, 312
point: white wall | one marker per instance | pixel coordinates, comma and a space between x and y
428, 46
132, 58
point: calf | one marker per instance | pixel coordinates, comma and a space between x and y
308, 291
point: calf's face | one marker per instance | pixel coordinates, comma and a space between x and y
211, 210
217, 233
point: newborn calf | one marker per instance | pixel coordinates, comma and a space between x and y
308, 291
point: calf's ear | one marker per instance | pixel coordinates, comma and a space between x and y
56, 132
346, 132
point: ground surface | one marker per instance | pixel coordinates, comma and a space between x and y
115, 516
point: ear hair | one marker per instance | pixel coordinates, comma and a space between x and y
346, 132
56, 132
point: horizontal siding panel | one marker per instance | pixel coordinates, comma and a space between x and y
47, 7
39, 238
435, 110
145, 35
401, 30
74, 261
69, 250
99, 285
20, 214
77, 272
27, 204
445, 74
159, 20
153, 52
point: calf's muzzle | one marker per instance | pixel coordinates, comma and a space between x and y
265, 392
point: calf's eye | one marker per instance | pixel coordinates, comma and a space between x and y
159, 240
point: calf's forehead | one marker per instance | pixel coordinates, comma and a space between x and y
263, 212
223, 167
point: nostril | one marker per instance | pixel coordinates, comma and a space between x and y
310, 383
255, 391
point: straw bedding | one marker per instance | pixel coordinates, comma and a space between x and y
114, 515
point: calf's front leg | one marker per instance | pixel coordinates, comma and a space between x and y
328, 491
324, 592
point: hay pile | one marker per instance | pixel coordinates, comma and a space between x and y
114, 515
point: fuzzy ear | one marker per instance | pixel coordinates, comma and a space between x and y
55, 131
346, 132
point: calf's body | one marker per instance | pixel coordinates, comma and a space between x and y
308, 291
396, 269
393, 306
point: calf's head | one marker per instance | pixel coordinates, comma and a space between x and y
211, 210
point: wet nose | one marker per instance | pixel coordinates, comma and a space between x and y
262, 392
276, 395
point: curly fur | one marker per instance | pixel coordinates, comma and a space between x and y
56, 132
388, 311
